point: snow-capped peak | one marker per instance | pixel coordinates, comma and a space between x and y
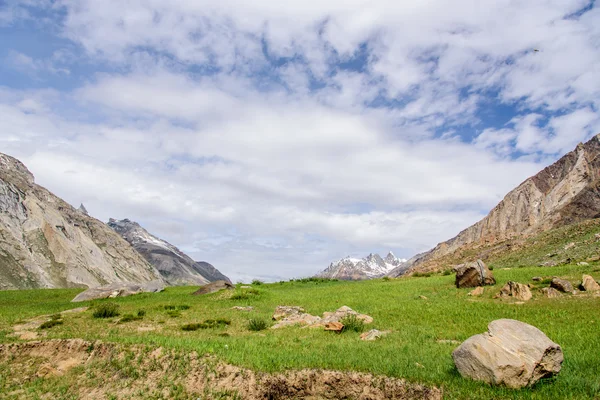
372, 266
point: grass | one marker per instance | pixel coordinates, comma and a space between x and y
106, 310
352, 324
207, 324
416, 327
257, 325
51, 323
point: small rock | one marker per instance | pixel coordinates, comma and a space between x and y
448, 341
597, 236
510, 353
213, 287
478, 291
583, 264
549, 264
423, 297
515, 290
570, 246
562, 285
334, 326
373, 334
550, 292
536, 278
282, 312
242, 308
589, 284
473, 274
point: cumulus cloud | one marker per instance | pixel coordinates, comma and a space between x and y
272, 140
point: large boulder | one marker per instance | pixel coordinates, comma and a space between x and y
213, 287
550, 292
589, 284
119, 289
516, 290
510, 353
562, 285
473, 274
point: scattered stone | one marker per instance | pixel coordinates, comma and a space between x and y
334, 326
373, 334
242, 308
473, 274
282, 312
511, 353
344, 312
562, 285
298, 319
550, 292
423, 298
549, 264
478, 291
570, 246
583, 264
213, 287
550, 255
448, 341
537, 278
597, 236
419, 365
119, 289
515, 290
589, 284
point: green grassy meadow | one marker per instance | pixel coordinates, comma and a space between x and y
412, 351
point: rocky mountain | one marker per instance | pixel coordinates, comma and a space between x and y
46, 243
175, 266
372, 266
563, 193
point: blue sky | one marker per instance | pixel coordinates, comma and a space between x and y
273, 140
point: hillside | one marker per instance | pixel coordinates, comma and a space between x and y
563, 193
46, 243
176, 267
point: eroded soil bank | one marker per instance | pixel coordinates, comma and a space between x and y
78, 369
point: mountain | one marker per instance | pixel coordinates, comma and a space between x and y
563, 193
175, 266
46, 243
372, 266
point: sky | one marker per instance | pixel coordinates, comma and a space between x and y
272, 138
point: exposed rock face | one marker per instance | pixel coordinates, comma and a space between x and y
119, 289
213, 287
175, 266
562, 285
294, 315
516, 290
473, 274
46, 243
372, 266
589, 284
511, 353
565, 192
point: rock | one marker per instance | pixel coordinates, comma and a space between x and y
570, 246
549, 264
550, 292
536, 278
334, 326
473, 274
516, 290
597, 236
511, 353
373, 334
344, 312
589, 284
448, 341
213, 287
562, 285
242, 308
298, 319
583, 264
423, 298
119, 289
478, 291
282, 312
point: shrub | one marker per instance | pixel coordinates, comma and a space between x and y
179, 307
56, 317
387, 278
174, 313
257, 282
208, 324
106, 310
129, 318
51, 323
422, 274
257, 325
447, 272
352, 324
141, 313
245, 294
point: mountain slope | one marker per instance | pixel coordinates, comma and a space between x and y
563, 193
46, 243
175, 266
372, 266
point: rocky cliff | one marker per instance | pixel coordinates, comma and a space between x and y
175, 266
46, 243
563, 193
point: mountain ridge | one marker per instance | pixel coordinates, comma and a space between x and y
369, 267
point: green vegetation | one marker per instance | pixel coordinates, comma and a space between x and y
207, 324
353, 324
245, 294
421, 331
106, 310
51, 323
257, 282
257, 325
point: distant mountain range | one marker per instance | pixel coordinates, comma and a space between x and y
175, 266
563, 193
372, 266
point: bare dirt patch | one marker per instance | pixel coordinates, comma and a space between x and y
97, 370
